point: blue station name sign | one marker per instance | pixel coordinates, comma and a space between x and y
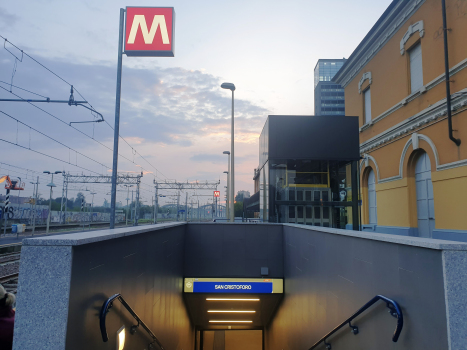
233, 285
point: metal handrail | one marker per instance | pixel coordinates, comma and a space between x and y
108, 305
394, 310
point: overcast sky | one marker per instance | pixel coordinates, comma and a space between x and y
173, 111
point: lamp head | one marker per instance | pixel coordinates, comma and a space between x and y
58, 172
228, 86
46, 172
226, 152
226, 172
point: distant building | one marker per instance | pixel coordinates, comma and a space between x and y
241, 195
312, 180
329, 96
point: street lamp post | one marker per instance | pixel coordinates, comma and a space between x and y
231, 87
227, 197
51, 184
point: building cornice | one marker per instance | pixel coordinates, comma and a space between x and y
416, 27
386, 30
410, 125
438, 80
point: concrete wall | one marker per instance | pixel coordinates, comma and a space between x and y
329, 274
65, 279
233, 250
233, 340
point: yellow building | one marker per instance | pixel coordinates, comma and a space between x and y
413, 175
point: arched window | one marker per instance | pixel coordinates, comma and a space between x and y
372, 207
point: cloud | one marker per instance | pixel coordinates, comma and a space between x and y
170, 115
7, 20
216, 158
170, 106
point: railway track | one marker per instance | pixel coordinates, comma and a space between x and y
9, 267
10, 282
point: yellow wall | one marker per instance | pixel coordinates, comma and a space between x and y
390, 71
235, 340
396, 200
244, 340
449, 189
393, 203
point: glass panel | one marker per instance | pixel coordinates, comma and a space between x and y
316, 196
325, 196
291, 195
308, 213
325, 224
300, 212
308, 196
325, 212
291, 211
299, 195
317, 213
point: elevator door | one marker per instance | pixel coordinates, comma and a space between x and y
425, 200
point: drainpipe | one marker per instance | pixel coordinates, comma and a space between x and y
446, 68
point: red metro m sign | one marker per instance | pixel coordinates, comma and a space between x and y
150, 31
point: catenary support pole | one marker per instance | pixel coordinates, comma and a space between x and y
136, 206
157, 204
178, 205
113, 198
61, 202
186, 206
66, 200
36, 188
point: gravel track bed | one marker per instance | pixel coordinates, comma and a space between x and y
9, 269
4, 259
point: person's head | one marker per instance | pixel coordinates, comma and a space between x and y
6, 299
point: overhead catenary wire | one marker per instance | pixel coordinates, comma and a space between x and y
4, 82
51, 138
48, 155
79, 93
83, 133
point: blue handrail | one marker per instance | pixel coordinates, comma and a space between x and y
105, 309
394, 310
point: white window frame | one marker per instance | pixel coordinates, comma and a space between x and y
366, 113
415, 67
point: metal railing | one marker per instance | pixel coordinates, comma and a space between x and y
394, 310
108, 305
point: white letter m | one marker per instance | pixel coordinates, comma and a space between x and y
139, 20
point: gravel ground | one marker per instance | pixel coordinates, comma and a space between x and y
9, 269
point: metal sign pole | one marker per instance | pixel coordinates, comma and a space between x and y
113, 197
